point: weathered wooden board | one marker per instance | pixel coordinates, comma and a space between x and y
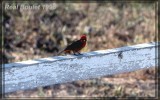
46, 71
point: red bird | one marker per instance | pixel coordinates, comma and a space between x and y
76, 46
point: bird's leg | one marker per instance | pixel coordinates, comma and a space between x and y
74, 53
79, 53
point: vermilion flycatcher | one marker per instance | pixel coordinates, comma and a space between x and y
76, 46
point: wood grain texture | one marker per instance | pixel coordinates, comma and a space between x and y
60, 69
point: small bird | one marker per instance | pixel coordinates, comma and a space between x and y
75, 46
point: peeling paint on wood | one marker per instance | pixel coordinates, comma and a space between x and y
52, 70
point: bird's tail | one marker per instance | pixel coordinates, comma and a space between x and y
59, 52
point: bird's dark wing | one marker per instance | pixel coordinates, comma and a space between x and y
74, 45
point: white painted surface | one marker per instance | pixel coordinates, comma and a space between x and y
46, 71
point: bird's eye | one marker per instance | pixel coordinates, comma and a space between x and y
83, 40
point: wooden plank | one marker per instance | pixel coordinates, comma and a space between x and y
60, 69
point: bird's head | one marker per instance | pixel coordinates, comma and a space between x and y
83, 38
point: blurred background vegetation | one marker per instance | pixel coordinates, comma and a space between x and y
31, 34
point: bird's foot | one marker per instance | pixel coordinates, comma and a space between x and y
77, 54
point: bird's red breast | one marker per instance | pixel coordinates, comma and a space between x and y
83, 40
